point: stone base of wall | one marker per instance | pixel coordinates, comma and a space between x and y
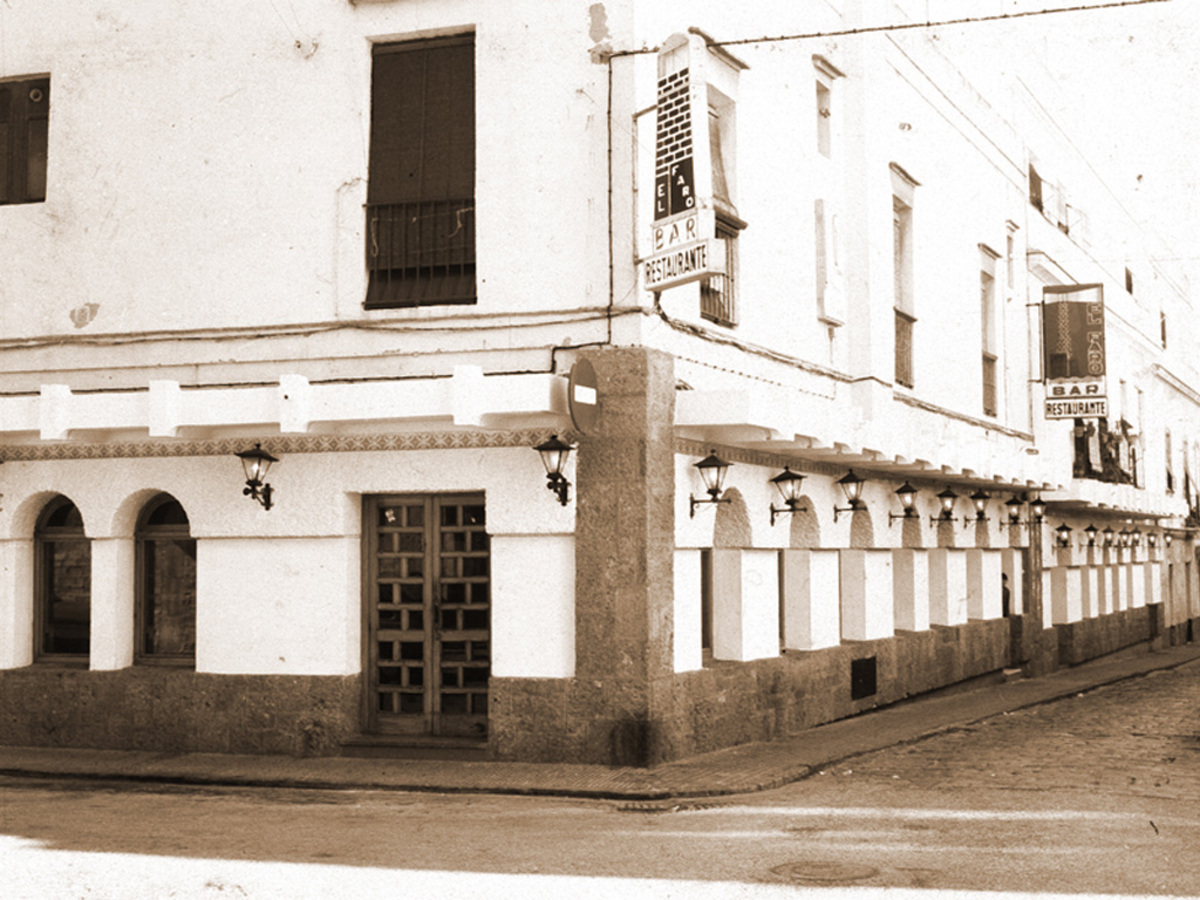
568, 720
1080, 641
1182, 633
735, 703
729, 703
172, 710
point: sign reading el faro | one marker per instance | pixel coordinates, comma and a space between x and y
1074, 351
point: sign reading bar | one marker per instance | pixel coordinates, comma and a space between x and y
689, 262
1077, 409
697, 225
1074, 351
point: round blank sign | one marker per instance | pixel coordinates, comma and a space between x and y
582, 400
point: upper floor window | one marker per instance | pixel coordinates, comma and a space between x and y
1035, 188
826, 111
903, 301
1170, 463
987, 316
717, 297
717, 292
166, 587
24, 134
824, 119
421, 191
62, 584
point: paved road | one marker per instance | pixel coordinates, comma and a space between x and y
1096, 794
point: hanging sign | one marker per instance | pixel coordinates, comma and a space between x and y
1074, 354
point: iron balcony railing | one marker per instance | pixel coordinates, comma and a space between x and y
904, 348
421, 253
989, 385
717, 298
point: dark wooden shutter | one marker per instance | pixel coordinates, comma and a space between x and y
5, 140
423, 121
1035, 188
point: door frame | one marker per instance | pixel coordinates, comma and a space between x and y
370, 507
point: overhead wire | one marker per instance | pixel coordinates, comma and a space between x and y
904, 26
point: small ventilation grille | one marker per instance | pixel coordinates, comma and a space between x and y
862, 678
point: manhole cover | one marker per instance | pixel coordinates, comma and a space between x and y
825, 872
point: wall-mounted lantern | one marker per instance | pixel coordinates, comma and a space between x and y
1110, 536
946, 498
1014, 506
979, 499
1152, 540
1135, 538
1091, 531
1062, 535
788, 483
554, 454
852, 486
712, 471
1123, 537
907, 495
255, 464
1037, 510
1167, 538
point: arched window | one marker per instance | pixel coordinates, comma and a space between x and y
63, 584
166, 584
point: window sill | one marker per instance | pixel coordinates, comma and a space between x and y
61, 662
151, 662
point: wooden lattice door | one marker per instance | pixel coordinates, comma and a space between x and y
428, 611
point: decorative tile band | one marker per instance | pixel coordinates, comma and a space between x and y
424, 440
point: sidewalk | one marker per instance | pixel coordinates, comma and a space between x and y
743, 769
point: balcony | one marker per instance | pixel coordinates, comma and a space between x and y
421, 253
1107, 455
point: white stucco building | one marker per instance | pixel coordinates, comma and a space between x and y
375, 238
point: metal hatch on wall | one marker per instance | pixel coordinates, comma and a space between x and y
428, 653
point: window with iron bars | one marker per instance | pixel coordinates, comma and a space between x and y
717, 296
904, 348
989, 384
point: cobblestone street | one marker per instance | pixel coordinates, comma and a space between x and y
1140, 738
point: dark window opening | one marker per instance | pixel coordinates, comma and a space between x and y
166, 601
63, 584
706, 602
1128, 281
24, 140
1035, 189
